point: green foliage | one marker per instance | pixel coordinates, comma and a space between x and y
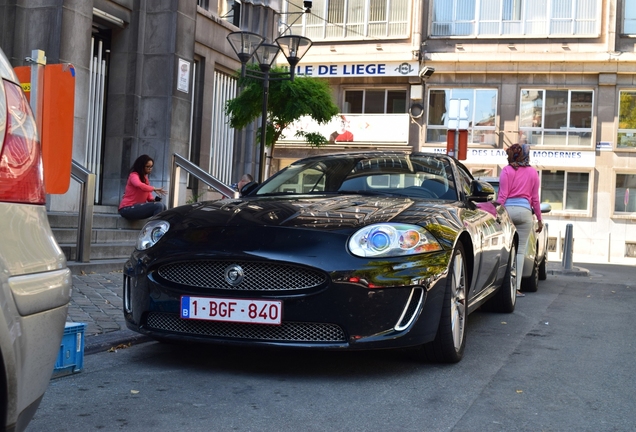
287, 102
194, 198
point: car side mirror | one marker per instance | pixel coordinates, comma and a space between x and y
248, 188
546, 208
481, 191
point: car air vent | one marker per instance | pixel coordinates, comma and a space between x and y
301, 332
412, 306
242, 275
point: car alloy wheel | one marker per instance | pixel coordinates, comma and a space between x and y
449, 343
505, 298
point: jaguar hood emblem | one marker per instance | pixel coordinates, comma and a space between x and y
234, 274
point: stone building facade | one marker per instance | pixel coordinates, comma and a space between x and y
558, 74
152, 77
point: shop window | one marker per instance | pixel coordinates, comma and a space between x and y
625, 193
569, 18
481, 113
349, 19
557, 117
375, 101
627, 120
565, 190
205, 4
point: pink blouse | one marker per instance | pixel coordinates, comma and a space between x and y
520, 183
137, 192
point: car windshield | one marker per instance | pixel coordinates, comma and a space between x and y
423, 176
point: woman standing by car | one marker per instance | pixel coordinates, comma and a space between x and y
138, 201
519, 193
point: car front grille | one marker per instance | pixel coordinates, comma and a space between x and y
256, 276
287, 332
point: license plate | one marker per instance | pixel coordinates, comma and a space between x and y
232, 310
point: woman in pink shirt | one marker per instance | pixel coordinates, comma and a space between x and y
519, 193
138, 201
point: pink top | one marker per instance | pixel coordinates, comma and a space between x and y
520, 183
137, 192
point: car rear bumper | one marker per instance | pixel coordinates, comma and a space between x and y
29, 356
35, 289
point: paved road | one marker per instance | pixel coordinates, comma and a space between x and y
562, 361
97, 302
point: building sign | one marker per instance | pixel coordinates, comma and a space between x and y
357, 70
183, 80
354, 128
604, 146
539, 158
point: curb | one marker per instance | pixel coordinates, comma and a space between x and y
575, 271
104, 342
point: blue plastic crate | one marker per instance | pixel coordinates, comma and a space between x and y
70, 359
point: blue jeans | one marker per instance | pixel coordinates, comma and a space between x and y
142, 211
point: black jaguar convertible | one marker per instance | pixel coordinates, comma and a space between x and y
348, 251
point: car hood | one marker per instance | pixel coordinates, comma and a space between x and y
330, 212
302, 230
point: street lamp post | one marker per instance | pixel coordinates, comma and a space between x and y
247, 45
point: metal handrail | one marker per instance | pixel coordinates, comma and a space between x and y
178, 163
86, 179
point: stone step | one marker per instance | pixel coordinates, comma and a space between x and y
100, 251
98, 235
100, 220
113, 238
105, 209
97, 266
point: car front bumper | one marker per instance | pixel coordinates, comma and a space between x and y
347, 311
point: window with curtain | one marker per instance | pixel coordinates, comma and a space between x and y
516, 18
350, 19
625, 194
565, 190
627, 120
558, 117
482, 114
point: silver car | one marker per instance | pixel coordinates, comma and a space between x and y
536, 255
35, 283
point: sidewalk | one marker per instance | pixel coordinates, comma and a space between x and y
97, 302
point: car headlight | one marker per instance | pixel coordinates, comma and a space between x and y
391, 239
151, 233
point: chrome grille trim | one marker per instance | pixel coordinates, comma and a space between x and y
287, 332
410, 309
257, 276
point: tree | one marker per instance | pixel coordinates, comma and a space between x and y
287, 102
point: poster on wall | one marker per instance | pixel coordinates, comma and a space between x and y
354, 128
183, 77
